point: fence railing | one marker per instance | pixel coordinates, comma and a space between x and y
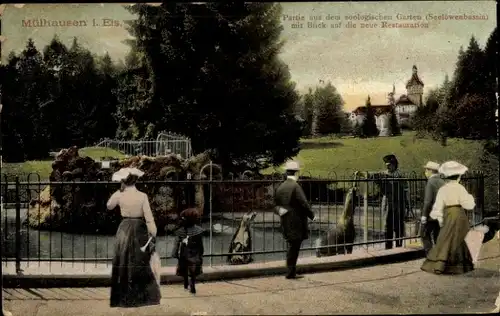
69, 222
153, 148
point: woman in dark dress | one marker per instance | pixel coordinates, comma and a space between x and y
450, 254
189, 248
133, 283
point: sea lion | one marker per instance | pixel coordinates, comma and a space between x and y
242, 241
342, 233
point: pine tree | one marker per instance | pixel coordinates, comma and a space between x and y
394, 128
474, 113
24, 114
369, 125
214, 75
133, 93
106, 125
56, 59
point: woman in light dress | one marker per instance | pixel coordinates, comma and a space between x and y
133, 283
450, 254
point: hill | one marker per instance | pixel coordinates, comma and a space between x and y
321, 157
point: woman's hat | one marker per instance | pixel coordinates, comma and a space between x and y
292, 166
123, 173
431, 165
452, 168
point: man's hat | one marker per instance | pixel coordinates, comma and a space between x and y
390, 159
292, 166
431, 165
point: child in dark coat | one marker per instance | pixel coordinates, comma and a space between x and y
189, 248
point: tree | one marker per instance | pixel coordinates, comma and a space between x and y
328, 104
78, 83
357, 129
133, 93
394, 128
308, 112
369, 126
56, 59
24, 115
213, 75
106, 125
473, 96
474, 118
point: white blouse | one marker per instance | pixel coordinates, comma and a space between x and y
451, 193
133, 203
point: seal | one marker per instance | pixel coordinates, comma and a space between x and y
242, 241
342, 233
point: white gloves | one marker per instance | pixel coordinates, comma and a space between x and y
423, 220
440, 222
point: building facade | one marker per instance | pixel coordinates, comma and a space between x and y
405, 106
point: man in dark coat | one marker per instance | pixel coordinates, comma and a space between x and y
395, 192
430, 228
293, 209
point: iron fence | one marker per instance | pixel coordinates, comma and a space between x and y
69, 222
163, 145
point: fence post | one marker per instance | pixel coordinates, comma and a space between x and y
18, 227
481, 190
365, 215
210, 209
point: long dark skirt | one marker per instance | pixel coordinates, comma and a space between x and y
450, 255
132, 280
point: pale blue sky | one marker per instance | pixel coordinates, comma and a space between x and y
357, 61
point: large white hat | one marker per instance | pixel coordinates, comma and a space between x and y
292, 165
452, 168
123, 173
431, 165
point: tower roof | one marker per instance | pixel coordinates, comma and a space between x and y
414, 80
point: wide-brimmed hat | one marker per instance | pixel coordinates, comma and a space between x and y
292, 166
452, 168
390, 159
123, 173
431, 165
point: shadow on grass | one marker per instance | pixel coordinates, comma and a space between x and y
325, 145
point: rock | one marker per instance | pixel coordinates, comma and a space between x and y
81, 207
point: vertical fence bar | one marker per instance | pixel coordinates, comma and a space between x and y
210, 210
18, 228
365, 214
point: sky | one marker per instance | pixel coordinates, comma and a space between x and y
358, 61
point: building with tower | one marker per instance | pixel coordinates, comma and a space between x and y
405, 106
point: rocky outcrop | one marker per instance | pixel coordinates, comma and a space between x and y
76, 200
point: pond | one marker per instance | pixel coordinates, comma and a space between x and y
45, 245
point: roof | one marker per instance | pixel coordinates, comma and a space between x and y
414, 80
379, 109
403, 100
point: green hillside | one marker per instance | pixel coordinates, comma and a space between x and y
321, 156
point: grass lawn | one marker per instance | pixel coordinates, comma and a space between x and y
325, 156
44, 167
